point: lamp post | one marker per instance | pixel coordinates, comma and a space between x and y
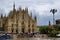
53, 12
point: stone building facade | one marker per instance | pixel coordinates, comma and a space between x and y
58, 22
18, 21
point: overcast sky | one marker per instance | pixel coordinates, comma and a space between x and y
40, 8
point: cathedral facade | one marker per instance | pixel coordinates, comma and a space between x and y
18, 21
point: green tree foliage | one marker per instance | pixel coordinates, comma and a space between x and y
43, 30
46, 30
57, 28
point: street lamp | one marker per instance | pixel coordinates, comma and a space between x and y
53, 12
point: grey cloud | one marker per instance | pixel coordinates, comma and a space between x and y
32, 5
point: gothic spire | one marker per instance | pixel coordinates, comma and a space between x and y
14, 6
20, 8
35, 18
49, 23
26, 9
31, 14
5, 15
1, 15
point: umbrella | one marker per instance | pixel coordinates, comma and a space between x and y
5, 37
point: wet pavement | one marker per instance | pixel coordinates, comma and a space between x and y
35, 39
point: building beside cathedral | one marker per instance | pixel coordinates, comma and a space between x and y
18, 21
58, 22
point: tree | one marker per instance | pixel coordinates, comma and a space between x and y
53, 12
43, 30
46, 30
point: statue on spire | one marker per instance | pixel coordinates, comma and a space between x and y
14, 6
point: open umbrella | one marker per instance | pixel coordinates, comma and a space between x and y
5, 37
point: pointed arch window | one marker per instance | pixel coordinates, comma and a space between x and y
12, 28
32, 28
23, 16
